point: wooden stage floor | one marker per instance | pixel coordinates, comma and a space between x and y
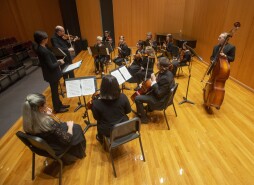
199, 149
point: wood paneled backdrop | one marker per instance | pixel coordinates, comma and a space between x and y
200, 19
20, 18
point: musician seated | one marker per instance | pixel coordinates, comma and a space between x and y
136, 63
38, 120
107, 37
182, 61
110, 108
146, 67
150, 42
160, 88
99, 60
123, 51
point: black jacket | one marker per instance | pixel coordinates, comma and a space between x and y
59, 42
165, 81
49, 65
228, 50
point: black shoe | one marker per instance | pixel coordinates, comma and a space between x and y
144, 120
136, 88
65, 106
61, 110
99, 139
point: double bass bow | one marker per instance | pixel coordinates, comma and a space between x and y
219, 70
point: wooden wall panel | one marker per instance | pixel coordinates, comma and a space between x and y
134, 19
89, 19
23, 17
205, 20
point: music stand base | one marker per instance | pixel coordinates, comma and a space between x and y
185, 100
88, 125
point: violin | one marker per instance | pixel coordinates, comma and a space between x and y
95, 96
70, 37
213, 92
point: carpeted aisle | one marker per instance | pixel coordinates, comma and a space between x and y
12, 98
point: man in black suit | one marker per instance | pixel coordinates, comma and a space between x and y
58, 41
50, 69
160, 88
228, 51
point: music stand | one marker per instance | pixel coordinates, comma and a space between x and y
81, 87
95, 51
122, 75
185, 99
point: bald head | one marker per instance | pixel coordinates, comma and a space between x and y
59, 30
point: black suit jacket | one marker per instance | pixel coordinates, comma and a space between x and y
228, 50
49, 65
165, 81
59, 42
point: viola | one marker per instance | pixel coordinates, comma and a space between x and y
213, 92
145, 88
95, 96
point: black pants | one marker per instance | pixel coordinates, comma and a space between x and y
57, 104
99, 63
139, 100
118, 61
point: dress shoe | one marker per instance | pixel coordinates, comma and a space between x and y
61, 110
144, 120
65, 106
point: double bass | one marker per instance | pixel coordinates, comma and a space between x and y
219, 70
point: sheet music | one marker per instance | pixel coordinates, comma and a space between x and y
124, 71
73, 88
72, 66
87, 86
89, 50
118, 76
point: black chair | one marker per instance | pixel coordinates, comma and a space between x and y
169, 101
180, 67
38, 146
122, 133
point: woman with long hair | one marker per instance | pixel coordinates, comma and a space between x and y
38, 121
111, 107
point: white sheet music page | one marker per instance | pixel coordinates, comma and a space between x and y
73, 88
118, 76
87, 86
125, 73
73, 66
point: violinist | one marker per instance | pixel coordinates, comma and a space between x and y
160, 87
110, 108
99, 60
38, 121
185, 56
123, 51
228, 50
150, 42
58, 40
142, 65
170, 47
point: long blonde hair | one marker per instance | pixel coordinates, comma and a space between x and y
34, 121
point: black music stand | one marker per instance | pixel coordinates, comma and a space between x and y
122, 75
82, 87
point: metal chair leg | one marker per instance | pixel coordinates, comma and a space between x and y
166, 119
174, 109
60, 173
33, 166
112, 161
140, 142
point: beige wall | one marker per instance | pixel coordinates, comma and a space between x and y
20, 18
89, 19
205, 20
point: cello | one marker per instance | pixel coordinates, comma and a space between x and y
219, 70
